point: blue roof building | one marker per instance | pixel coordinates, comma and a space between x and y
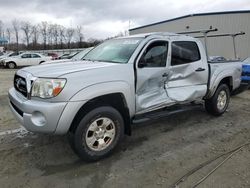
3, 41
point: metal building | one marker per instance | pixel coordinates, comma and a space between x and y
231, 22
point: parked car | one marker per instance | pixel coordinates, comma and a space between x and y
217, 59
25, 59
53, 55
76, 57
10, 54
7, 55
121, 81
246, 72
64, 56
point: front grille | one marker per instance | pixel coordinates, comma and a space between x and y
20, 85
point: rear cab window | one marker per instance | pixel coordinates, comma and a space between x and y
184, 52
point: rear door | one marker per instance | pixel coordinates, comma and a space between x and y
35, 59
151, 76
188, 75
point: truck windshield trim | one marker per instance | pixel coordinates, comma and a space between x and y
114, 51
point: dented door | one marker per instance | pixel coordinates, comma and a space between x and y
151, 77
188, 72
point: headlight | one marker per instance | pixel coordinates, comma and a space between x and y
47, 88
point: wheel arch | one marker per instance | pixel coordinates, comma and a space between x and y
115, 100
228, 80
7, 63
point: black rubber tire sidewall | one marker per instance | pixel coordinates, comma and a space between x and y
80, 146
13, 64
211, 104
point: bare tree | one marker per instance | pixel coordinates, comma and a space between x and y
55, 33
69, 34
35, 35
44, 31
1, 28
61, 35
16, 28
27, 29
50, 34
8, 34
79, 36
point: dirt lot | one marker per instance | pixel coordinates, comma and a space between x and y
156, 155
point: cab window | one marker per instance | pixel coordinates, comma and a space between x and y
184, 52
155, 55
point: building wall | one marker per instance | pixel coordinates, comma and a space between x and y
226, 23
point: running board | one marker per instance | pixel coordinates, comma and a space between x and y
165, 112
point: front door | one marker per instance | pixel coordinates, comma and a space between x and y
151, 77
24, 60
188, 72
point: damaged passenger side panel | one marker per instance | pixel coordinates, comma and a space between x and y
188, 77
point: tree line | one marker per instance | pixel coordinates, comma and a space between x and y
22, 35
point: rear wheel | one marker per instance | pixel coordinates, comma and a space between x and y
41, 62
218, 104
11, 65
98, 133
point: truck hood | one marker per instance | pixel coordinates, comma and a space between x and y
57, 61
54, 70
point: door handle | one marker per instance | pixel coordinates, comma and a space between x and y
165, 75
200, 69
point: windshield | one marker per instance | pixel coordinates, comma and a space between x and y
81, 54
116, 50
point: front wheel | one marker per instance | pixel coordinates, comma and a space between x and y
98, 133
11, 65
218, 104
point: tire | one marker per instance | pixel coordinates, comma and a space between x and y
98, 134
213, 106
41, 62
11, 65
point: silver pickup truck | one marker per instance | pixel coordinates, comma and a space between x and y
124, 80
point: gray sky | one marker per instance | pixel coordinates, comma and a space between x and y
104, 18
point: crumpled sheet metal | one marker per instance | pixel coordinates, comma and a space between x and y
176, 88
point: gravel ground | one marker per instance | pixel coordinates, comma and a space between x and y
156, 155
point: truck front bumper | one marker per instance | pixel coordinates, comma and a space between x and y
36, 116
